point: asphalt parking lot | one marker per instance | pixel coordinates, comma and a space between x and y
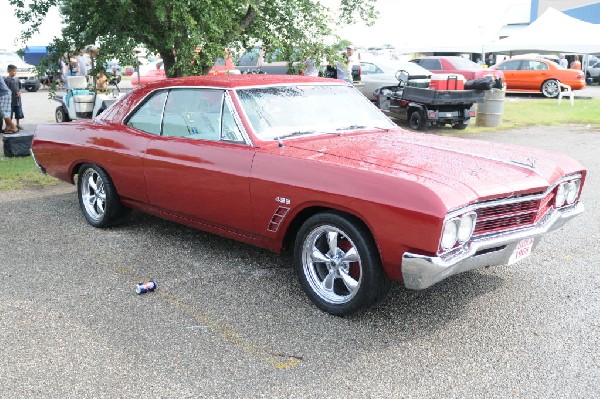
230, 321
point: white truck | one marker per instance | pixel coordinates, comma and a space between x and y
25, 72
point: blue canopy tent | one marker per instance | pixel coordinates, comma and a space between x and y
33, 54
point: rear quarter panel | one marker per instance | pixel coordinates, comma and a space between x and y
62, 148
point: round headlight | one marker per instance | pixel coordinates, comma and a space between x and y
561, 195
572, 191
466, 227
449, 234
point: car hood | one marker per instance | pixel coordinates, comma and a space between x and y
479, 170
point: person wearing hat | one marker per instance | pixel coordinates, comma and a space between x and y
350, 59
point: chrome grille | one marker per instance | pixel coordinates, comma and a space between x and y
512, 214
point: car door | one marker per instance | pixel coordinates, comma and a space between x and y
512, 74
199, 167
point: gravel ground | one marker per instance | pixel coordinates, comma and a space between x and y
229, 320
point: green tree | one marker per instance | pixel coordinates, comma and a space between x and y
174, 28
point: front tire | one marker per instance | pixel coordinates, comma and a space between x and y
60, 115
338, 265
98, 197
551, 88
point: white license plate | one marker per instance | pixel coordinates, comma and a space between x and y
522, 250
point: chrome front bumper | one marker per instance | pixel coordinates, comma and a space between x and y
420, 272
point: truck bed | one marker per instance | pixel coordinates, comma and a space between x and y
442, 97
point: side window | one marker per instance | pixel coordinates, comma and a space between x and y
368, 68
149, 116
537, 65
510, 66
193, 113
230, 130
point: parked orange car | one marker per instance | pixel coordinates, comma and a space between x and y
539, 75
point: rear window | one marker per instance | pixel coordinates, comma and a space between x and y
463, 63
430, 63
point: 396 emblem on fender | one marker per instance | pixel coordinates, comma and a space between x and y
282, 200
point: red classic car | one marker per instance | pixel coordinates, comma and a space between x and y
309, 164
457, 65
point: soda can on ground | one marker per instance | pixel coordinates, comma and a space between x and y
147, 286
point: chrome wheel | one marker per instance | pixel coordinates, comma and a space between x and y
332, 264
551, 88
338, 264
93, 194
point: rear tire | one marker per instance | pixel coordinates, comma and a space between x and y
98, 197
551, 88
338, 264
460, 126
416, 120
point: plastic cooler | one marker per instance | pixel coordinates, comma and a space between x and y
446, 81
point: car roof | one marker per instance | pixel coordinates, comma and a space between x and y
243, 80
391, 66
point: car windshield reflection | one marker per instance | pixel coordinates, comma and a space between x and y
285, 111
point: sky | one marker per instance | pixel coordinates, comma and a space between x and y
400, 22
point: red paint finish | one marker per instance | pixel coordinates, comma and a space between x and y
401, 185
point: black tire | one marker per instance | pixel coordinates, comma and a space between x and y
338, 265
416, 120
551, 88
60, 115
460, 126
33, 88
98, 197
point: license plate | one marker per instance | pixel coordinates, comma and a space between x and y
522, 250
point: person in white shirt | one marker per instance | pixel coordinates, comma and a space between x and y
563, 62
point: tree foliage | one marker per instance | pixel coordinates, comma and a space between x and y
173, 28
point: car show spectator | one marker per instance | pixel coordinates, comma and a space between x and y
82, 64
5, 108
563, 62
101, 82
16, 87
576, 64
310, 68
490, 61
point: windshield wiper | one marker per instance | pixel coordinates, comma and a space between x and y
357, 127
297, 133
351, 127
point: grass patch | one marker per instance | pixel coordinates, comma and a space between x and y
544, 112
19, 173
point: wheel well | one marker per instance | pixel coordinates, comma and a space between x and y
305, 214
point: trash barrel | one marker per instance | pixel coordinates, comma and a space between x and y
489, 112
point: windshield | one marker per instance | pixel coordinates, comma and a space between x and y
277, 112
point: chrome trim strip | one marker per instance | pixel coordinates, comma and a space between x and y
236, 117
421, 271
36, 162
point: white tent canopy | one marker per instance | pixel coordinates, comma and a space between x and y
553, 31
